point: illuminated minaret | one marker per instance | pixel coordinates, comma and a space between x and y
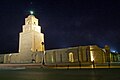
31, 38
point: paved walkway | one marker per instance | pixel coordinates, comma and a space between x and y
76, 67
2, 66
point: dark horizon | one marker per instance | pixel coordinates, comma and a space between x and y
65, 23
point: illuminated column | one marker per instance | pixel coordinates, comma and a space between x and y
31, 37
91, 53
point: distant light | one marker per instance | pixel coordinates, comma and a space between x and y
31, 12
114, 51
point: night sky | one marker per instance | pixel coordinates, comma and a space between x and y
65, 23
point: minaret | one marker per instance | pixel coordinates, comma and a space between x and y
31, 38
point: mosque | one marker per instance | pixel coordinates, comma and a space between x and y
32, 49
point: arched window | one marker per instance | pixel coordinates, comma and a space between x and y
34, 23
71, 58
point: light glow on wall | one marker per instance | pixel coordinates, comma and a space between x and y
10, 54
52, 58
91, 54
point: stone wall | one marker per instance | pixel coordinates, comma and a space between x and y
1, 58
26, 57
80, 54
77, 54
98, 54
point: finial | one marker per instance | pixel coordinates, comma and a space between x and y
31, 12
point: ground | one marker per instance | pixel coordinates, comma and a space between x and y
60, 74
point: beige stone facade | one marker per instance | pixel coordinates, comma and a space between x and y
31, 39
83, 54
31, 43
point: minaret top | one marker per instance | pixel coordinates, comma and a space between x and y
31, 20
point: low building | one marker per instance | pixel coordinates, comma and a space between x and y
118, 57
83, 54
114, 57
2, 58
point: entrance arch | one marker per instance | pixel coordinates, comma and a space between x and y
71, 57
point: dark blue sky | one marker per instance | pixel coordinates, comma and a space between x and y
65, 23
